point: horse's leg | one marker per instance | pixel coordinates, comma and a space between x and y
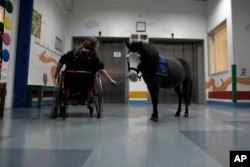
179, 94
154, 92
185, 90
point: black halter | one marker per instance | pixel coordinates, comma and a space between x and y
132, 68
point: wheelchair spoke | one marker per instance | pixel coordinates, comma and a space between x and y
98, 96
63, 95
56, 97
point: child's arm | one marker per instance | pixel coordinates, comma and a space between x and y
58, 69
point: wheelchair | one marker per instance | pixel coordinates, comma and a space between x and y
77, 88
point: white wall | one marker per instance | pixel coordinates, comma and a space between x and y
237, 15
118, 19
54, 24
114, 18
217, 12
43, 55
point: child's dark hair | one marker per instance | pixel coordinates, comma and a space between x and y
90, 43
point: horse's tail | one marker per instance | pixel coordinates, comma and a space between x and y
190, 86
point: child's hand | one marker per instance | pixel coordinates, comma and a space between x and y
113, 82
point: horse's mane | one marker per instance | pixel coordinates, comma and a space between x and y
150, 58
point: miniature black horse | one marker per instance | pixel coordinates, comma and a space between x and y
159, 71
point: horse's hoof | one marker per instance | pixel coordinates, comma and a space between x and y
186, 115
154, 118
177, 114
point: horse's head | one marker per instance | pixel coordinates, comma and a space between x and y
134, 59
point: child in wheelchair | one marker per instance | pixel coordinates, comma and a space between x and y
81, 65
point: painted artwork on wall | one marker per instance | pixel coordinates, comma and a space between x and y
224, 83
36, 24
222, 88
51, 64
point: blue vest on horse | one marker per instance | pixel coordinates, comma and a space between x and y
162, 68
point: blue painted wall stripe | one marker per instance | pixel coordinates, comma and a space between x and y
23, 52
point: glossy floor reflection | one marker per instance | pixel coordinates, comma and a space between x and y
124, 137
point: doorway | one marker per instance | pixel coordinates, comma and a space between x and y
192, 50
112, 52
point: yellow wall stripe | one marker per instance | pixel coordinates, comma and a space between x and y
138, 94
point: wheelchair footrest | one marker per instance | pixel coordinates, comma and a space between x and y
78, 102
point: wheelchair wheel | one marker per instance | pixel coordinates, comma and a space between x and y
98, 98
56, 104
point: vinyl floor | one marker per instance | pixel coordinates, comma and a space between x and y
123, 137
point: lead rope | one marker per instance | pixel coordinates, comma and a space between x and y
121, 80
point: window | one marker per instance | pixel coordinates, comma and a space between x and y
218, 50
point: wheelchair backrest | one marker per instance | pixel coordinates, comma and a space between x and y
80, 62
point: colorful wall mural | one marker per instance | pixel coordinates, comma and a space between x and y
46, 59
46, 45
231, 88
6, 9
224, 83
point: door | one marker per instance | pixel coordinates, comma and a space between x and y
112, 52
188, 50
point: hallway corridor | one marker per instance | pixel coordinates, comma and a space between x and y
124, 137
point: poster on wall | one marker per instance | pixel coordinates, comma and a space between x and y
36, 24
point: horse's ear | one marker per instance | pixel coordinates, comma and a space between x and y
128, 46
141, 44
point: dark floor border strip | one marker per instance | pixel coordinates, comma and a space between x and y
45, 103
138, 102
229, 104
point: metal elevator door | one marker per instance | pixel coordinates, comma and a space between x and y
112, 52
188, 50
